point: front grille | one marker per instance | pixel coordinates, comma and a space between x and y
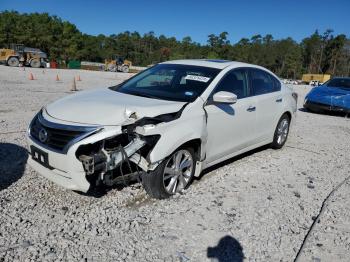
57, 138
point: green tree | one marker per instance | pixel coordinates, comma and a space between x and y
62, 41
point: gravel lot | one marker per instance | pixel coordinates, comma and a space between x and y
256, 207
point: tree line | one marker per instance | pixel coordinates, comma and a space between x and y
62, 41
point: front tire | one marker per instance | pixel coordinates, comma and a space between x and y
173, 175
13, 61
281, 132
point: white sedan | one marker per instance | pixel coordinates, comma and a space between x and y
163, 126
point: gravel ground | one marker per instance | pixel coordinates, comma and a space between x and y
256, 207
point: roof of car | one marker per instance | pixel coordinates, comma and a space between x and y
340, 77
215, 63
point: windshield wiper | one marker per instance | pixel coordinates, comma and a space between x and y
143, 95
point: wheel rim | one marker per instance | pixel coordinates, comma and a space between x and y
282, 131
13, 62
178, 171
35, 64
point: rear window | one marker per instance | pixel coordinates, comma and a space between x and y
339, 82
263, 82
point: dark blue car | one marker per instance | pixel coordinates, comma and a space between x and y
333, 95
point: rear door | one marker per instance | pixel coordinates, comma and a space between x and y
267, 91
231, 127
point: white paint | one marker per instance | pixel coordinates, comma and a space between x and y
224, 130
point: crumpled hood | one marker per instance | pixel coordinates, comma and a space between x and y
332, 96
108, 107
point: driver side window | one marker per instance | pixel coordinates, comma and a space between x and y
161, 78
235, 82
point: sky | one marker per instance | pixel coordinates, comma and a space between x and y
197, 18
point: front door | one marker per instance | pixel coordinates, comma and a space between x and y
231, 127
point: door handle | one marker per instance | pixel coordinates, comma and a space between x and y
279, 100
251, 108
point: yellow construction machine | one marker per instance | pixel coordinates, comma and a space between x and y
18, 54
307, 78
117, 64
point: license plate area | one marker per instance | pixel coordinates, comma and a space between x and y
40, 156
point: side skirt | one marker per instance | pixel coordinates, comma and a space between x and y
244, 150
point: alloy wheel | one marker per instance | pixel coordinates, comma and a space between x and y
282, 131
178, 171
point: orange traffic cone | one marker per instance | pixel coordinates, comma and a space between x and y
74, 86
78, 78
57, 78
31, 77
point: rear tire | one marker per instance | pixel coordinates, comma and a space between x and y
171, 176
35, 63
125, 69
13, 61
281, 132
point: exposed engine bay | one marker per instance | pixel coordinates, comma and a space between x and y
122, 158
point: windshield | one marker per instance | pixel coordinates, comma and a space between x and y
339, 82
173, 82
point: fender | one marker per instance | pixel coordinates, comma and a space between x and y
191, 125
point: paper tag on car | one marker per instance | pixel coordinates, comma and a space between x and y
197, 78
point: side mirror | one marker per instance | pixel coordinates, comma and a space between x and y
224, 97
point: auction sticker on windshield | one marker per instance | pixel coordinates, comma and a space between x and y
197, 78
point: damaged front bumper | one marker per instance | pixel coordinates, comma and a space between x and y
62, 169
91, 159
